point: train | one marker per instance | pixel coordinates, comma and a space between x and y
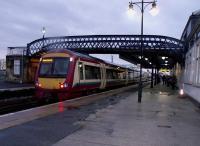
65, 74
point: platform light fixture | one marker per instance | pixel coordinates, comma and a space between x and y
43, 32
181, 92
43, 35
142, 5
131, 10
71, 59
154, 10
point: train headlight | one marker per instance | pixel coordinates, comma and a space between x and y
38, 84
63, 85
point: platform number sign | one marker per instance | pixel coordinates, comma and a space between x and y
16, 67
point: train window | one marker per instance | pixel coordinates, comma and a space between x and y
45, 69
130, 75
115, 76
80, 65
124, 75
56, 67
111, 74
92, 72
60, 66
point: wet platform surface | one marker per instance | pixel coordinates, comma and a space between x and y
162, 119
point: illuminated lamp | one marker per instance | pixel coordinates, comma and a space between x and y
71, 59
38, 84
181, 92
63, 85
154, 10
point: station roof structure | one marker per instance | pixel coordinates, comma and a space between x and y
191, 31
20, 50
127, 46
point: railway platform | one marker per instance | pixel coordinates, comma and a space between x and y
10, 86
162, 119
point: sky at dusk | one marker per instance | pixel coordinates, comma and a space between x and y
22, 20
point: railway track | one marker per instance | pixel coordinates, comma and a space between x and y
22, 116
17, 104
22, 103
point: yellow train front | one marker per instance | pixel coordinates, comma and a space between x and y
65, 74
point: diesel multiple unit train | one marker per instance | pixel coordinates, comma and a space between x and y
66, 74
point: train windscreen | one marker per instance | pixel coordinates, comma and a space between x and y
54, 67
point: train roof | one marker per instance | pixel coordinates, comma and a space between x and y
71, 53
77, 54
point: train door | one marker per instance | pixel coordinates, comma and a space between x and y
103, 76
127, 76
81, 73
78, 74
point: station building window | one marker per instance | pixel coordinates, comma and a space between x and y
196, 65
92, 72
16, 67
190, 72
198, 34
188, 67
198, 61
192, 65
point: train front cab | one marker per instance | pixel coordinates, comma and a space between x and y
54, 75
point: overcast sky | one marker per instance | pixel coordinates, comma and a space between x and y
22, 20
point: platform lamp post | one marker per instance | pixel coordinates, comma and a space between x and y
43, 35
153, 11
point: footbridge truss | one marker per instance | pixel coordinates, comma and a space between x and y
125, 45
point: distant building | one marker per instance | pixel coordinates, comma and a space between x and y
191, 37
19, 66
2, 64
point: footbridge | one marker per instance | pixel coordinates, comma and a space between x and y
127, 46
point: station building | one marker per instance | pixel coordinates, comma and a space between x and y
20, 67
191, 37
